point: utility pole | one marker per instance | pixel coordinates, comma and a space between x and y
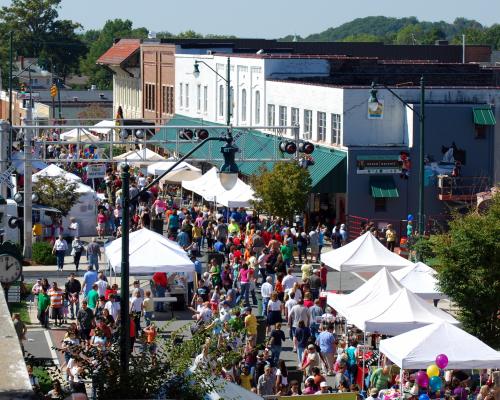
11, 56
228, 86
27, 234
421, 186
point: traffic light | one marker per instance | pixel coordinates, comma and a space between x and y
288, 147
23, 87
306, 147
202, 134
186, 134
53, 91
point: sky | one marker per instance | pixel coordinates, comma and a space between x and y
266, 18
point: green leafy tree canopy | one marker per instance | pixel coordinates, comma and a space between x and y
468, 261
38, 32
282, 191
57, 192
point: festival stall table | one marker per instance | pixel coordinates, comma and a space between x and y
418, 348
150, 252
421, 280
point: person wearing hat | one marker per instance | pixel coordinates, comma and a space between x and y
311, 359
390, 237
323, 388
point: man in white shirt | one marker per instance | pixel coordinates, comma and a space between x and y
113, 307
266, 290
288, 307
299, 312
59, 249
101, 284
289, 281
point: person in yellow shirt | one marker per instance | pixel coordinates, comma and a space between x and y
37, 231
307, 271
233, 228
251, 326
390, 236
246, 380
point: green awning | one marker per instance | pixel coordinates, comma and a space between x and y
328, 173
383, 186
484, 116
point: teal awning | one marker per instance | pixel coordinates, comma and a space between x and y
383, 186
484, 116
328, 173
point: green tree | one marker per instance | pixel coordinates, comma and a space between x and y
410, 34
112, 30
38, 32
363, 37
468, 264
57, 192
283, 191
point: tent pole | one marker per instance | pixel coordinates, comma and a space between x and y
364, 351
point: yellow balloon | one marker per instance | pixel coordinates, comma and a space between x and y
432, 370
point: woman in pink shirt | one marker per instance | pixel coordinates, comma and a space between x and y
244, 277
160, 207
101, 223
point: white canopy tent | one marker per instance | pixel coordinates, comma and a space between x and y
142, 156
398, 313
418, 348
149, 252
229, 390
85, 210
364, 254
18, 162
209, 187
54, 171
182, 172
420, 279
380, 285
79, 133
98, 128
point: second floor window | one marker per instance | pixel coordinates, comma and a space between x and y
181, 95
150, 100
336, 128
283, 116
221, 100
168, 100
257, 107
307, 124
244, 105
270, 115
205, 99
321, 126
198, 98
187, 95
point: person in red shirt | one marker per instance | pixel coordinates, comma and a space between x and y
110, 290
132, 332
267, 237
323, 271
160, 281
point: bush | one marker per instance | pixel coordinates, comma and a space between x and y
42, 254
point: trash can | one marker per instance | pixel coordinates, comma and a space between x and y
157, 225
261, 330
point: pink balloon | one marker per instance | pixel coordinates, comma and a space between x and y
422, 379
442, 361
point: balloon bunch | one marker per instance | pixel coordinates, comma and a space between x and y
430, 378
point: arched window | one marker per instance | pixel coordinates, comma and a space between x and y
244, 105
221, 100
257, 107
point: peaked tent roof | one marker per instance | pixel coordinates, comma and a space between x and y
144, 155
418, 348
420, 279
149, 252
382, 284
98, 128
53, 170
364, 254
182, 172
398, 313
209, 187
85, 136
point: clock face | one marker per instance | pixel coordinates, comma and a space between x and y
10, 268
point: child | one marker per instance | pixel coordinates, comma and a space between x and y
150, 332
65, 310
148, 307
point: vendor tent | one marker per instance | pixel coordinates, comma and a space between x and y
398, 313
103, 127
149, 252
420, 279
139, 156
80, 134
85, 210
182, 172
209, 187
229, 390
418, 348
53, 171
364, 254
380, 285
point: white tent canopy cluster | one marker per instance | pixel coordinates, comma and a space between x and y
182, 172
209, 187
395, 302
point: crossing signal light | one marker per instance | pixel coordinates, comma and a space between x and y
202, 134
53, 90
186, 134
306, 147
15, 222
288, 147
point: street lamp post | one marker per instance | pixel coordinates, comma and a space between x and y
28, 204
421, 118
